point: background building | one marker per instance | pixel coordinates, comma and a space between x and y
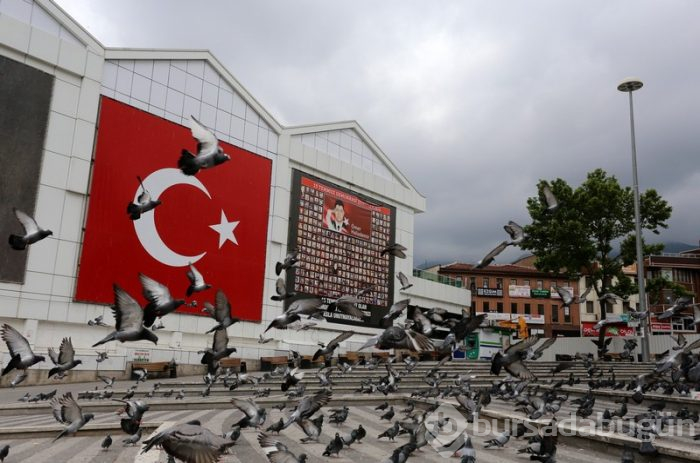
519, 290
98, 117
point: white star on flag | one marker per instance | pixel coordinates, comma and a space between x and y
225, 230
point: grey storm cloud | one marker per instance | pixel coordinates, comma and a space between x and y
473, 101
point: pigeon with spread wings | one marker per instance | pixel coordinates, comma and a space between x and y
488, 258
512, 359
333, 345
21, 354
143, 204
65, 360
32, 232
67, 411
197, 282
222, 313
128, 317
190, 442
209, 153
160, 302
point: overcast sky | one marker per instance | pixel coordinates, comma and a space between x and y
473, 101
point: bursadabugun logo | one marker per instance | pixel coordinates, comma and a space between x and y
446, 429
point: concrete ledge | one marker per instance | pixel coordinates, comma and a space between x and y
33, 432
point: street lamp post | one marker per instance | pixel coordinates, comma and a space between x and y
630, 85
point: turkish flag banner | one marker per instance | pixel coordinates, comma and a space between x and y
217, 219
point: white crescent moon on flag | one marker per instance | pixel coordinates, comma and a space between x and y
156, 183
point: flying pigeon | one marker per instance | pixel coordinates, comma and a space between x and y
567, 298
680, 304
395, 337
308, 405
222, 313
197, 282
534, 354
516, 233
21, 355
264, 340
277, 452
281, 291
158, 326
346, 304
254, 415
160, 302
144, 203
18, 379
209, 153
101, 357
512, 358
32, 232
549, 199
109, 382
327, 352
67, 411
219, 349
97, 321
403, 279
396, 309
65, 360
488, 258
290, 261
128, 320
394, 249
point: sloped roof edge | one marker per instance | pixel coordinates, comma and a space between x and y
73, 26
352, 124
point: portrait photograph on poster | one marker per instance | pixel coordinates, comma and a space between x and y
339, 235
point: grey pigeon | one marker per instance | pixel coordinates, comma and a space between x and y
488, 258
346, 304
309, 405
395, 337
254, 415
396, 309
18, 379
190, 442
290, 261
277, 452
327, 351
567, 298
263, 340
21, 354
101, 357
160, 302
32, 232
512, 358
67, 411
312, 429
4, 451
312, 307
133, 439
66, 358
500, 440
549, 199
197, 282
109, 382
334, 446
106, 443
394, 249
516, 233
390, 433
281, 291
128, 320
403, 279
219, 349
209, 153
143, 204
97, 321
222, 313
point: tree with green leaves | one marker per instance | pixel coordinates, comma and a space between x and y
578, 236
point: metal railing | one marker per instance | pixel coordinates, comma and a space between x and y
418, 273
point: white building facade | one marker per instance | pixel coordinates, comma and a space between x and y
173, 85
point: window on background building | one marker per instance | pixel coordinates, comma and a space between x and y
625, 306
513, 307
552, 284
485, 282
589, 281
555, 313
485, 305
472, 283
608, 308
540, 284
526, 282
527, 309
540, 309
499, 283
513, 281
567, 315
499, 307
589, 306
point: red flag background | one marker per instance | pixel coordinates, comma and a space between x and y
132, 143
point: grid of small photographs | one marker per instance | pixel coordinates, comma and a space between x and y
332, 264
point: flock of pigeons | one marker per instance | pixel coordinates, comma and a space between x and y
678, 371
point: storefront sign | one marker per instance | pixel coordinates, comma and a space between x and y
541, 293
513, 317
555, 294
615, 329
518, 291
141, 356
657, 326
489, 292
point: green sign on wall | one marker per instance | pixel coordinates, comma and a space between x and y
541, 293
